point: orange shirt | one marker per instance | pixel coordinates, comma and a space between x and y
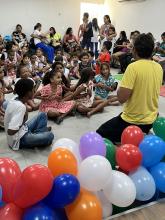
103, 57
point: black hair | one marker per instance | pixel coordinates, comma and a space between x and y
9, 45
64, 79
163, 34
104, 64
83, 54
86, 74
95, 24
91, 53
37, 26
123, 35
112, 28
23, 86
136, 32
144, 46
53, 31
74, 54
2, 57
47, 77
59, 58
86, 14
18, 25
10, 51
107, 45
108, 17
68, 30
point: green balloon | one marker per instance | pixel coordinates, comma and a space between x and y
110, 152
159, 127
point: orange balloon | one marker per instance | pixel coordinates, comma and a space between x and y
85, 207
62, 161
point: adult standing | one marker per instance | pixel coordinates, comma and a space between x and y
39, 41
87, 33
95, 38
19, 38
105, 30
139, 90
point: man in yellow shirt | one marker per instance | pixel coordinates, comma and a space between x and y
139, 90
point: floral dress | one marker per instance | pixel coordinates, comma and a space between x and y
52, 103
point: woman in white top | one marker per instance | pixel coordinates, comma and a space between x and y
39, 41
95, 38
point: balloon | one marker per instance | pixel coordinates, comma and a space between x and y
9, 174
92, 143
68, 144
153, 150
121, 191
0, 193
65, 190
158, 173
159, 127
132, 135
11, 212
40, 212
62, 161
110, 152
128, 157
94, 172
105, 204
85, 207
34, 184
144, 183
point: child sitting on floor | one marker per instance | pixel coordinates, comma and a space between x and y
11, 66
4, 89
74, 67
52, 100
83, 95
24, 73
104, 84
85, 63
20, 132
104, 56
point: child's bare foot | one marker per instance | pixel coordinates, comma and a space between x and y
89, 114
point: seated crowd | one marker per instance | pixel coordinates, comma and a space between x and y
66, 75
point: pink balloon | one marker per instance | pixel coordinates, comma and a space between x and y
11, 212
34, 184
9, 175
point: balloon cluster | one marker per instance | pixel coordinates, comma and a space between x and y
85, 181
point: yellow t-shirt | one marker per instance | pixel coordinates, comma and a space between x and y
144, 78
56, 37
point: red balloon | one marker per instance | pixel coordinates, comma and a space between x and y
11, 212
9, 175
132, 135
34, 184
128, 157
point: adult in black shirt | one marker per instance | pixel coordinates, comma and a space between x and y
119, 43
19, 38
87, 33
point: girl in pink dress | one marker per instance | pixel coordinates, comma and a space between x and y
51, 95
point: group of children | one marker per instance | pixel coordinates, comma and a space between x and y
74, 83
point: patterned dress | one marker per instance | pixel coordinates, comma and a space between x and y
52, 104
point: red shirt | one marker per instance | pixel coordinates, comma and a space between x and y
103, 57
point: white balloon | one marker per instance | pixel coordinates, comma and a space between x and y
94, 172
106, 205
68, 144
121, 191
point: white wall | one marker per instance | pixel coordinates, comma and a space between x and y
58, 13
145, 16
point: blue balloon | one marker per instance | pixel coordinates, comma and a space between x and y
144, 183
40, 212
65, 190
0, 193
158, 173
153, 150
